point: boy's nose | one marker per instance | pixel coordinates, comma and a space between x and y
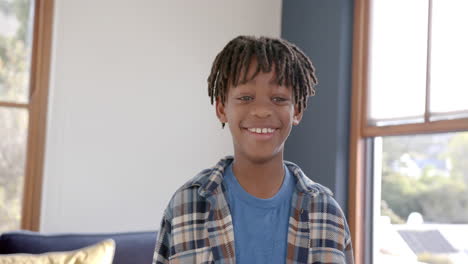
261, 110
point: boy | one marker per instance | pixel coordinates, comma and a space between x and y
255, 207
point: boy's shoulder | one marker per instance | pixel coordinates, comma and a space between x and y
197, 188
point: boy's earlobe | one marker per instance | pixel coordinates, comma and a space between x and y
295, 121
297, 116
220, 112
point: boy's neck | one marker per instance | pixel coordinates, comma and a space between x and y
260, 179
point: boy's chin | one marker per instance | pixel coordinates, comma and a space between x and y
261, 158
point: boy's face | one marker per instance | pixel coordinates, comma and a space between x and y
260, 114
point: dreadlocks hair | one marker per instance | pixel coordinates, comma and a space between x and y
293, 68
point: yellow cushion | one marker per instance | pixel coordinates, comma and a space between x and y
101, 253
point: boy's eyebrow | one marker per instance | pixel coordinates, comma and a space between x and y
273, 82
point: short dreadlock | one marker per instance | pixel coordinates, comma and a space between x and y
292, 67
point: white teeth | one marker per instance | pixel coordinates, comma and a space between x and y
261, 130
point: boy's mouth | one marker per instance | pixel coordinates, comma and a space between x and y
261, 133
264, 130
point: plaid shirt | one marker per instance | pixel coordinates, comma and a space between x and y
197, 225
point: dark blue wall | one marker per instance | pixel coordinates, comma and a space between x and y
323, 30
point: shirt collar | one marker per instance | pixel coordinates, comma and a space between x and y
209, 180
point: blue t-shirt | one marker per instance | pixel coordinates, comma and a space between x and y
260, 225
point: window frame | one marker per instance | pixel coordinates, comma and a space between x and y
37, 111
360, 130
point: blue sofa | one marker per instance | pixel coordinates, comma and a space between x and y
131, 248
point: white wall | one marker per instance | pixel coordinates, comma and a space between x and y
129, 118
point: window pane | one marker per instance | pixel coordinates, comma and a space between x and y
421, 199
15, 49
449, 88
13, 138
398, 55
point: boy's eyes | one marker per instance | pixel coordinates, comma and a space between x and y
247, 98
279, 99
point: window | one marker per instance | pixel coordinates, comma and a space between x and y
25, 35
409, 132
420, 185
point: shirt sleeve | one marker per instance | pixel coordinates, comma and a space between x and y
348, 251
162, 252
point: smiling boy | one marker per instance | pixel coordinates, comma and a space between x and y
255, 207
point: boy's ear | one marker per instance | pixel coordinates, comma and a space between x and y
220, 112
297, 115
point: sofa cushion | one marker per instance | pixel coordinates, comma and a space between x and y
102, 253
132, 247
